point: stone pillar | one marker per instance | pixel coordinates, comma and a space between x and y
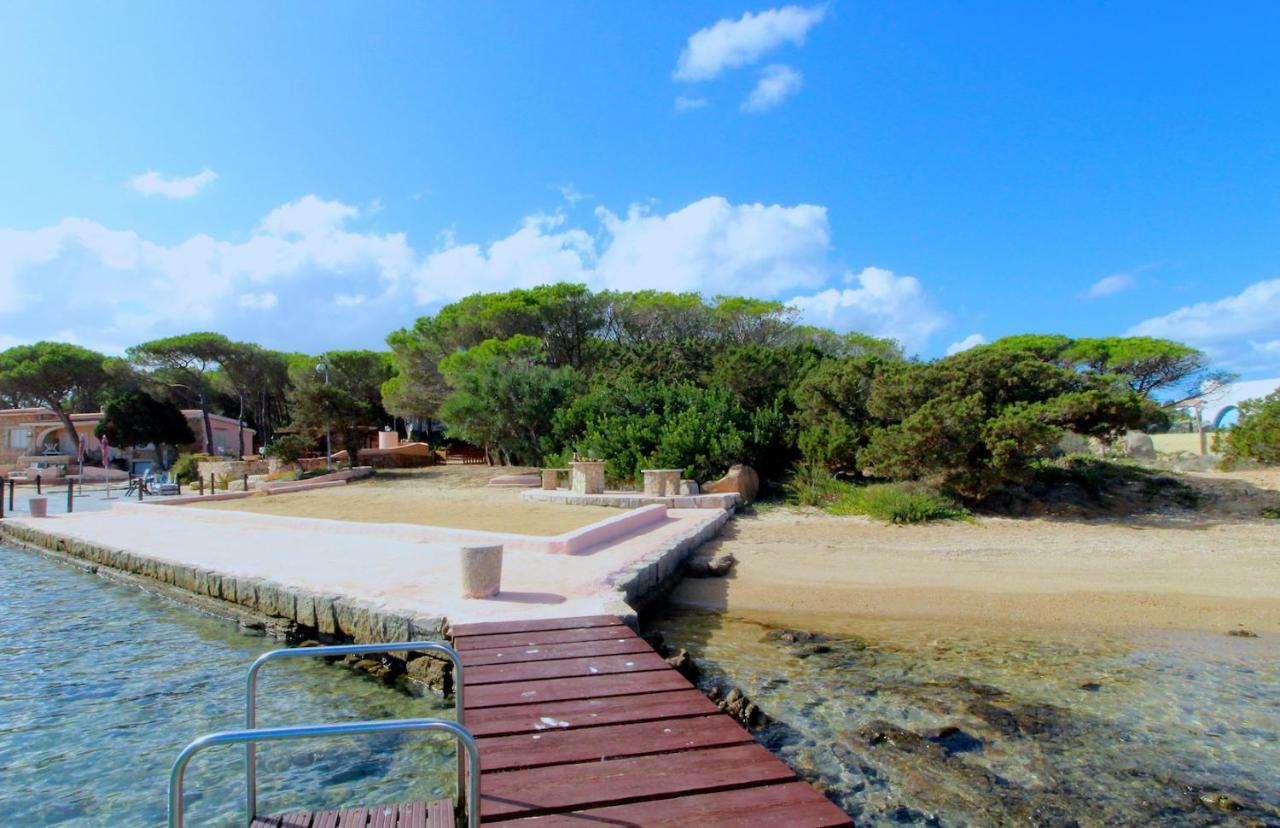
550, 480
481, 571
588, 476
38, 506
388, 440
662, 482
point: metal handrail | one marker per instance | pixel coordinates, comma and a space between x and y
273, 734
251, 696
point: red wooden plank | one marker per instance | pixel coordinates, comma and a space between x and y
501, 721
534, 624
440, 814
353, 818
790, 804
546, 652
297, 819
558, 747
530, 639
413, 815
384, 816
533, 692
620, 781
564, 668
324, 819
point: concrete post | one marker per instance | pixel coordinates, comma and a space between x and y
38, 506
550, 480
481, 571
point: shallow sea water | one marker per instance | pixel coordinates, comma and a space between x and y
102, 684
908, 723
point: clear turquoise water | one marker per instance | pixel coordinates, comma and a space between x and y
102, 684
1051, 729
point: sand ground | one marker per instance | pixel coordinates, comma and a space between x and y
1215, 570
456, 497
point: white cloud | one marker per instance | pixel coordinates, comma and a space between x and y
123, 288
777, 83
882, 304
731, 43
1111, 285
973, 340
1237, 331
684, 104
571, 194
308, 273
710, 246
152, 183
258, 301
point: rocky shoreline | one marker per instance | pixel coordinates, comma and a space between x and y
875, 768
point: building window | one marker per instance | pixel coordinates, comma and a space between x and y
19, 438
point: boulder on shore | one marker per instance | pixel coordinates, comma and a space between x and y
741, 479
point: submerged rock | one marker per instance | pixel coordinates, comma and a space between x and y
715, 566
684, 664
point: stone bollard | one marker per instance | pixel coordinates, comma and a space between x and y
38, 506
587, 476
550, 480
481, 571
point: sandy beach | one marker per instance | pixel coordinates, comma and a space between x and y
1211, 570
456, 497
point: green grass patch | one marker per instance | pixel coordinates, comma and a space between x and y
1271, 513
899, 503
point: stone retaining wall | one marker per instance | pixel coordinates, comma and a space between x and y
653, 575
327, 616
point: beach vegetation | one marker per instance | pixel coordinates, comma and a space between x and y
320, 409
287, 448
812, 484
187, 467
1256, 437
898, 503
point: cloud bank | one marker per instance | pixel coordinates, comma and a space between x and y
309, 277
1240, 332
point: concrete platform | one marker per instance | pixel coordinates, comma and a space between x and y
635, 500
394, 569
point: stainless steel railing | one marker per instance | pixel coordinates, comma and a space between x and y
251, 698
274, 734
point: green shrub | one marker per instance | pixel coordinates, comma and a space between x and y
811, 484
287, 448
186, 467
1256, 437
899, 503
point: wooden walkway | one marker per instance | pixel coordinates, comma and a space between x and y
438, 814
580, 723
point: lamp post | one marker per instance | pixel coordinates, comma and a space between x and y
323, 367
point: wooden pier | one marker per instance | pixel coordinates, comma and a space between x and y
580, 723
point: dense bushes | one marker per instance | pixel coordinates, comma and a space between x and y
186, 467
654, 379
1256, 437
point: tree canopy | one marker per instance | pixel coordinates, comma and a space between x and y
52, 374
188, 361
135, 418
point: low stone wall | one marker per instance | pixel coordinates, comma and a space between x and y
608, 530
327, 616
634, 500
231, 468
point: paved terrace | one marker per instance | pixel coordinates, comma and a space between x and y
411, 570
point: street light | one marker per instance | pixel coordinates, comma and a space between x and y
323, 367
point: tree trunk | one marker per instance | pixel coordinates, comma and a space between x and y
208, 425
240, 426
65, 417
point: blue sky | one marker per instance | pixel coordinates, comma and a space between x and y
314, 176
